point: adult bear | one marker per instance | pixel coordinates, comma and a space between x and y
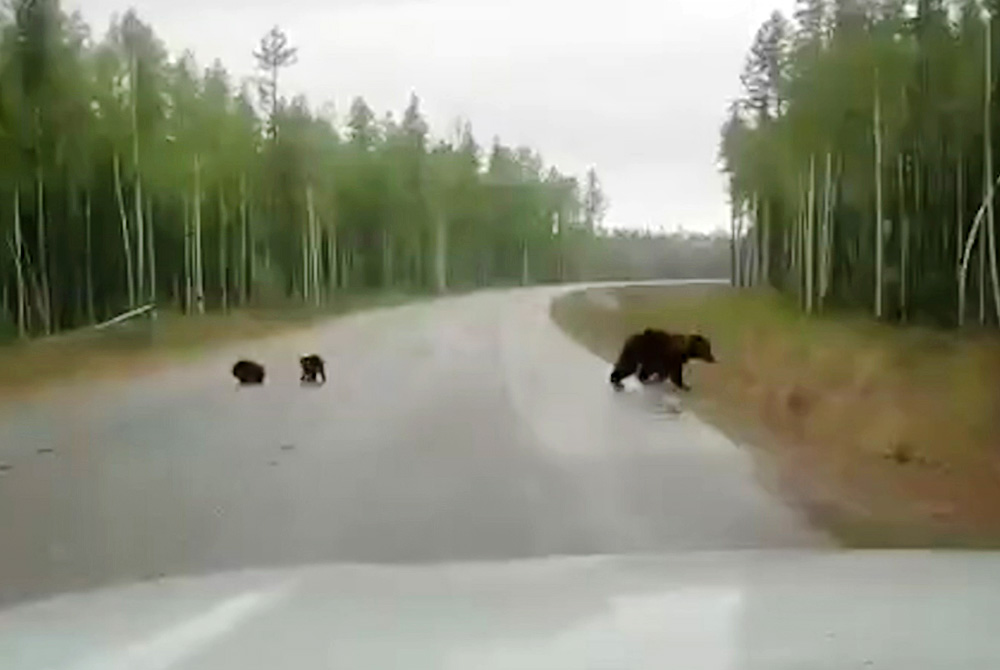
656, 353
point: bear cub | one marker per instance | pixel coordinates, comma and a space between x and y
313, 367
249, 372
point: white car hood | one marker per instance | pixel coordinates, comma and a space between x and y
691, 611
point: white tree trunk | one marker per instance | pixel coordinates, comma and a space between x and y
746, 247
879, 243
765, 260
525, 269
804, 262
441, 254
758, 239
244, 241
963, 269
988, 148
309, 255
826, 224
44, 297
304, 244
140, 243
151, 251
798, 244
959, 211
982, 275
126, 236
734, 262
89, 258
223, 252
904, 239
22, 297
199, 266
44, 294
140, 228
792, 244
332, 271
317, 256
560, 251
188, 258
810, 238
831, 220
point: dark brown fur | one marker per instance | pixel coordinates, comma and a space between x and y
312, 367
248, 372
655, 355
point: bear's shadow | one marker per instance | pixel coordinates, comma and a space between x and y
304, 383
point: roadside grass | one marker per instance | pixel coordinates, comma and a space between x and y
887, 436
143, 345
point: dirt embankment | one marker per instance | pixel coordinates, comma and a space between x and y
888, 436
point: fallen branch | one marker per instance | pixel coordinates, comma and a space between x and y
127, 315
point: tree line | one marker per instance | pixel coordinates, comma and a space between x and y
128, 177
643, 255
860, 158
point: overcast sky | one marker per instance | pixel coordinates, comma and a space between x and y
636, 88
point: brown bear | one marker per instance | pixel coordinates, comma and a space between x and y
312, 367
249, 372
658, 355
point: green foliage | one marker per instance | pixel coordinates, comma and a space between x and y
142, 177
812, 96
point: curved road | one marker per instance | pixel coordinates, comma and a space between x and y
460, 429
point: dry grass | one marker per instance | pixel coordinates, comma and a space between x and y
142, 345
889, 436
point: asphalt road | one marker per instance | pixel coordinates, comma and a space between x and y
466, 428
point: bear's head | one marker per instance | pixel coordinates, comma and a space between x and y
699, 347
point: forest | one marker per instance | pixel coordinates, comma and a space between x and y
860, 159
130, 177
643, 255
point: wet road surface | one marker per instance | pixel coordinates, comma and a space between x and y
465, 428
